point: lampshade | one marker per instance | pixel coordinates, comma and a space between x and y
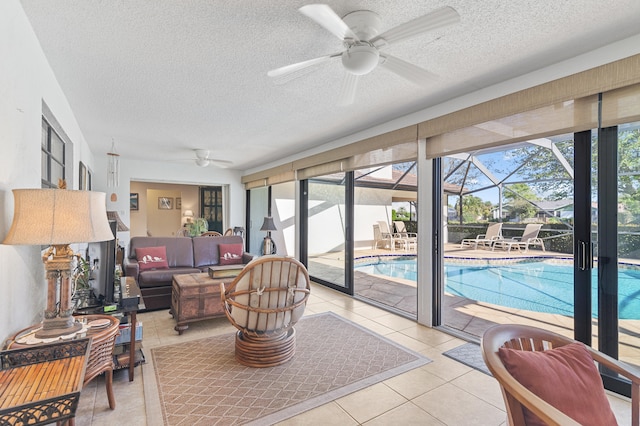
58, 216
113, 215
188, 213
268, 224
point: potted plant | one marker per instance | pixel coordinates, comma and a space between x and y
198, 226
82, 291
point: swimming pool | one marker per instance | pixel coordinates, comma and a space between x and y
540, 286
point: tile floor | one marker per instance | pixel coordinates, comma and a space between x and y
443, 392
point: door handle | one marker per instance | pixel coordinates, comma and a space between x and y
585, 255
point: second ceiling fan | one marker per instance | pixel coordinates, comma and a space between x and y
359, 32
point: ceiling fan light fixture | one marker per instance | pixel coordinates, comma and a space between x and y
360, 59
202, 154
202, 162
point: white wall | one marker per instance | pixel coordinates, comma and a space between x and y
169, 173
26, 80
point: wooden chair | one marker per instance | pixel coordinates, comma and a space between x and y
264, 302
516, 396
211, 234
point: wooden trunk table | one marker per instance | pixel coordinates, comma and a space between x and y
195, 297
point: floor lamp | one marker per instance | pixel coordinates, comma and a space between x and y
57, 218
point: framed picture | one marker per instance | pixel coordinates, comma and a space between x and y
178, 203
133, 201
165, 203
82, 177
89, 179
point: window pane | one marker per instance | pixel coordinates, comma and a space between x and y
44, 166
57, 147
44, 137
57, 172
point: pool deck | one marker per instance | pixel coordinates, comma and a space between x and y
468, 316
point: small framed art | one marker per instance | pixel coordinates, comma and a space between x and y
165, 203
133, 201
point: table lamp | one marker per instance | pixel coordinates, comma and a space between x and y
268, 246
58, 217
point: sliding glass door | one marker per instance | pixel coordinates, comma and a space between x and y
329, 215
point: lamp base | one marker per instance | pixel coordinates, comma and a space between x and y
56, 327
268, 246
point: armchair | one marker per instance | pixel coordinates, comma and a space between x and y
264, 302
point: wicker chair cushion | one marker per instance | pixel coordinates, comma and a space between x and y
564, 377
269, 275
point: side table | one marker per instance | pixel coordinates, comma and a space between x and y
100, 354
41, 384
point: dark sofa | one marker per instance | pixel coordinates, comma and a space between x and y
185, 255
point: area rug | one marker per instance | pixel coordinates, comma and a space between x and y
469, 354
200, 382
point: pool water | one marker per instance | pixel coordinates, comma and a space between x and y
535, 286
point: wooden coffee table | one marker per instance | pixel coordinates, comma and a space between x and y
195, 297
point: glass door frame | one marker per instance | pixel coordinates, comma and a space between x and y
349, 188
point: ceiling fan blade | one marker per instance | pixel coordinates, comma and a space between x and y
221, 163
289, 69
348, 89
404, 69
431, 21
327, 18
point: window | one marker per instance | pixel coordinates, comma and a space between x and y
53, 156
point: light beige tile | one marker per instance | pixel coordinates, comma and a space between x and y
407, 414
454, 406
481, 385
444, 367
328, 414
414, 383
370, 402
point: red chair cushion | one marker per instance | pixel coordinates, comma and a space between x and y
152, 258
564, 377
230, 254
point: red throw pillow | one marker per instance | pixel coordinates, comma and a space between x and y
564, 377
152, 258
230, 254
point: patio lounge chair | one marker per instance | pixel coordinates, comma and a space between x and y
395, 239
411, 238
529, 237
493, 234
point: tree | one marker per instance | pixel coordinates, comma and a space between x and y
519, 197
474, 209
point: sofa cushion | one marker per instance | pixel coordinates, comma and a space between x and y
152, 258
230, 254
564, 377
206, 249
179, 249
162, 277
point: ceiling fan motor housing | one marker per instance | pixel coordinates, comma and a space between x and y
360, 59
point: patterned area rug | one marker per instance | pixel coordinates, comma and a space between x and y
469, 354
200, 382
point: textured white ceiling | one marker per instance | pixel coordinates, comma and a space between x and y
165, 77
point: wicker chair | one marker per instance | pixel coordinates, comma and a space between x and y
517, 397
264, 302
101, 355
211, 234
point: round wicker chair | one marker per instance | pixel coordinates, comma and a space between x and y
264, 302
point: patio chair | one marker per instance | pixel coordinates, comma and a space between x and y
394, 239
546, 377
529, 237
263, 303
493, 234
211, 234
411, 238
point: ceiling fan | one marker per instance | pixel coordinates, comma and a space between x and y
203, 159
359, 32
